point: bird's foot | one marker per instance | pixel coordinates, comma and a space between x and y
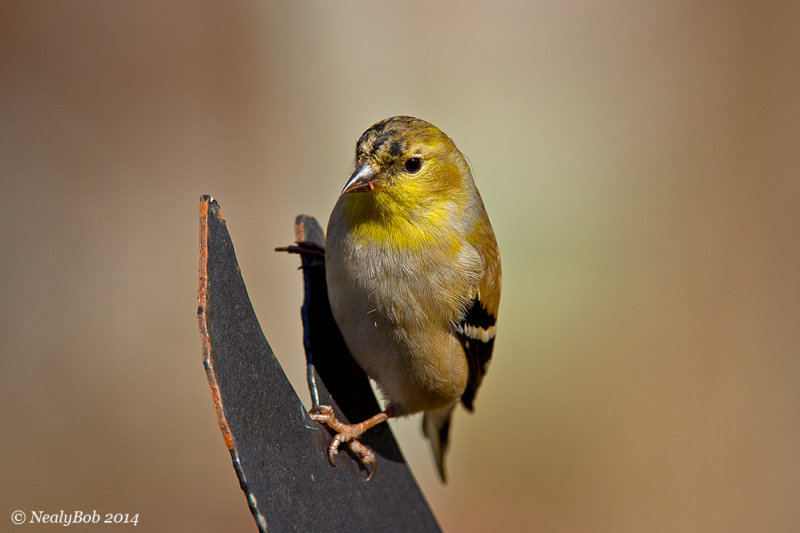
348, 433
312, 252
305, 248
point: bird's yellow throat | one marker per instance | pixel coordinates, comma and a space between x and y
378, 218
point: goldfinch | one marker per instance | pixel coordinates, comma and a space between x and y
413, 275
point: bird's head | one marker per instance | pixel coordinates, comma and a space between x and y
406, 167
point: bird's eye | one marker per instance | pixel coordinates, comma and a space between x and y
413, 164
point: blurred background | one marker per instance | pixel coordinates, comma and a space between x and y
640, 164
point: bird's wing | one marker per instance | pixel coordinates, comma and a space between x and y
477, 330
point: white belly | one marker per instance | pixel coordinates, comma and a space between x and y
385, 315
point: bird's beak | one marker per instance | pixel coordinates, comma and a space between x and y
366, 177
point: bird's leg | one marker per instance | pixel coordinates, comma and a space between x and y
349, 433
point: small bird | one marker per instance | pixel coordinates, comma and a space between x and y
413, 275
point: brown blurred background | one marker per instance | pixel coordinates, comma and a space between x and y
640, 165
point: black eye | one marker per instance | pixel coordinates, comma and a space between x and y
413, 164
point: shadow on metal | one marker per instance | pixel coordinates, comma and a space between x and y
278, 452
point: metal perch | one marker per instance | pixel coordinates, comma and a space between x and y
278, 452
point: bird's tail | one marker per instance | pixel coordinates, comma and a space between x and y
436, 426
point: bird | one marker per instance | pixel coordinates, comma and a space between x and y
413, 274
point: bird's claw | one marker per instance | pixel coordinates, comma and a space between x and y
345, 433
304, 248
365, 455
313, 254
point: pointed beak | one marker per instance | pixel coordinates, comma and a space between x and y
364, 178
